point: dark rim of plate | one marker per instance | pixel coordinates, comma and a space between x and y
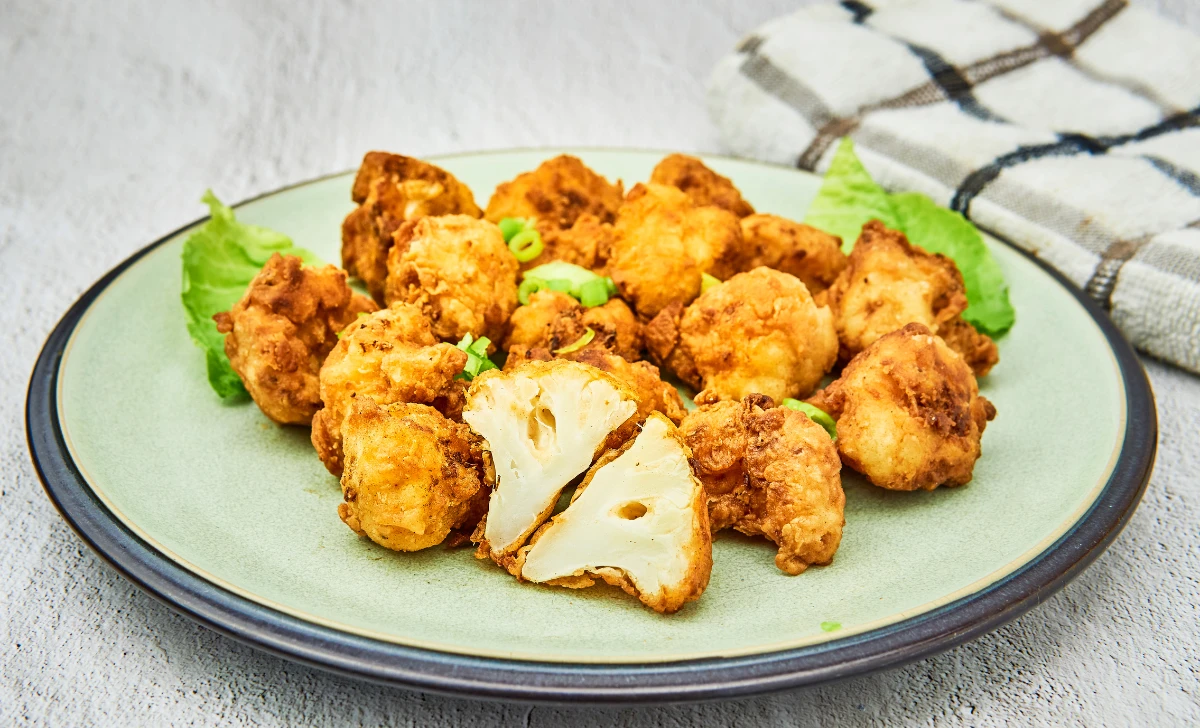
717, 678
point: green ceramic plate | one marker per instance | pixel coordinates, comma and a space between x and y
233, 520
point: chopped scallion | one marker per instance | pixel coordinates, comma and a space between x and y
581, 342
816, 414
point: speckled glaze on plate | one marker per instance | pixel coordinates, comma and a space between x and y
232, 520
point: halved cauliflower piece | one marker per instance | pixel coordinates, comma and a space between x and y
639, 521
543, 423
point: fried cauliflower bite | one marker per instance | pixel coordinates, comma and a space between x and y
888, 283
642, 378
543, 423
702, 185
662, 244
553, 320
770, 471
390, 356
812, 255
389, 190
279, 333
556, 194
458, 271
909, 415
411, 475
759, 332
638, 521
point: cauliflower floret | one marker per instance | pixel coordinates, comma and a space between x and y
814, 256
909, 412
662, 243
557, 194
759, 332
770, 471
389, 190
389, 356
411, 475
459, 271
278, 335
703, 185
638, 521
543, 423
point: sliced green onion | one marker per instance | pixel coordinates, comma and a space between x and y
830, 626
528, 287
816, 414
581, 342
707, 282
611, 286
578, 275
477, 358
562, 285
594, 293
510, 226
526, 245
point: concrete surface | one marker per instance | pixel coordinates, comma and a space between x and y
115, 116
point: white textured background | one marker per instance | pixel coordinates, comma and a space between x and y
114, 117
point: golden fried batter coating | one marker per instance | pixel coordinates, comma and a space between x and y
552, 320
585, 244
662, 243
411, 475
889, 282
909, 412
703, 185
459, 271
977, 349
279, 333
814, 256
389, 356
770, 471
389, 190
759, 332
556, 194
653, 394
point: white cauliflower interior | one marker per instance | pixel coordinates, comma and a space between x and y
642, 516
543, 423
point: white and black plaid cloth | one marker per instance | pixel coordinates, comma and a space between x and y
1068, 127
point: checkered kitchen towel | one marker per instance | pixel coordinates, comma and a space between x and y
1068, 127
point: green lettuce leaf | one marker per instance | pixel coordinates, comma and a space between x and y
219, 260
939, 230
477, 358
848, 198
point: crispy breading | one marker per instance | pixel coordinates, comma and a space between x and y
812, 255
977, 349
553, 320
585, 244
662, 243
770, 471
759, 332
389, 190
459, 271
703, 185
889, 282
279, 333
411, 475
909, 414
556, 194
389, 356
642, 377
